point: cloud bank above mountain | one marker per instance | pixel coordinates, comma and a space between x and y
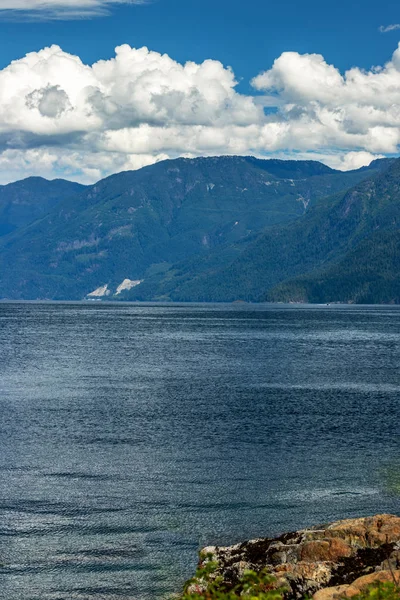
60, 117
59, 9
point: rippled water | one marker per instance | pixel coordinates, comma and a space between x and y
130, 435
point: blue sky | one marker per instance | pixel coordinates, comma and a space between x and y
246, 35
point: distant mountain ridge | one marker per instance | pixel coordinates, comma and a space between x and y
184, 229
27, 200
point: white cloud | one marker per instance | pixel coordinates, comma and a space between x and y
352, 160
60, 117
323, 108
75, 165
59, 9
387, 28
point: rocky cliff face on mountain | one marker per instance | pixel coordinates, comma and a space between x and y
327, 562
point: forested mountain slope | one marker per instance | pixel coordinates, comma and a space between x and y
26, 201
136, 225
345, 249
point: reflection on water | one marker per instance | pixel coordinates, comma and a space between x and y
130, 435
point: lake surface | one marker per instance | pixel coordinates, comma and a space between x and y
131, 435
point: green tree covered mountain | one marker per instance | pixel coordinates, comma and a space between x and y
26, 201
345, 249
198, 216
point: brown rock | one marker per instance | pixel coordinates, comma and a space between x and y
369, 532
380, 576
326, 550
331, 593
340, 592
326, 561
319, 572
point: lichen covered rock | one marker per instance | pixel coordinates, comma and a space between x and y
340, 592
328, 562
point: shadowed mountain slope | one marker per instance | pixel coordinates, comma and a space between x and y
136, 225
26, 201
345, 249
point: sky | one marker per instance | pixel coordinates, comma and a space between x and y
93, 87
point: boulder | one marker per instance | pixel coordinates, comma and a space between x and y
325, 561
340, 592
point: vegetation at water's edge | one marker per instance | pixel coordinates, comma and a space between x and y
205, 585
380, 591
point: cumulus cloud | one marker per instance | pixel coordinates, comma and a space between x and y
320, 107
387, 28
59, 9
61, 117
352, 160
51, 101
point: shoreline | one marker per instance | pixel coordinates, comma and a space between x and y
324, 562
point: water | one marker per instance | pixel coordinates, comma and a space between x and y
130, 435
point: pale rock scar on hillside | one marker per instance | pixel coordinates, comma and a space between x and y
127, 284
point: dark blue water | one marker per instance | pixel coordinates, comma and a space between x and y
131, 435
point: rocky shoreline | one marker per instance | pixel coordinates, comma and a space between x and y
326, 562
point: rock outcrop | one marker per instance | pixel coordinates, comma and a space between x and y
328, 562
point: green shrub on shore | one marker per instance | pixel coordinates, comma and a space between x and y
206, 585
380, 591
254, 587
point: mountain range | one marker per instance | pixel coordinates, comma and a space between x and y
206, 229
26, 201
